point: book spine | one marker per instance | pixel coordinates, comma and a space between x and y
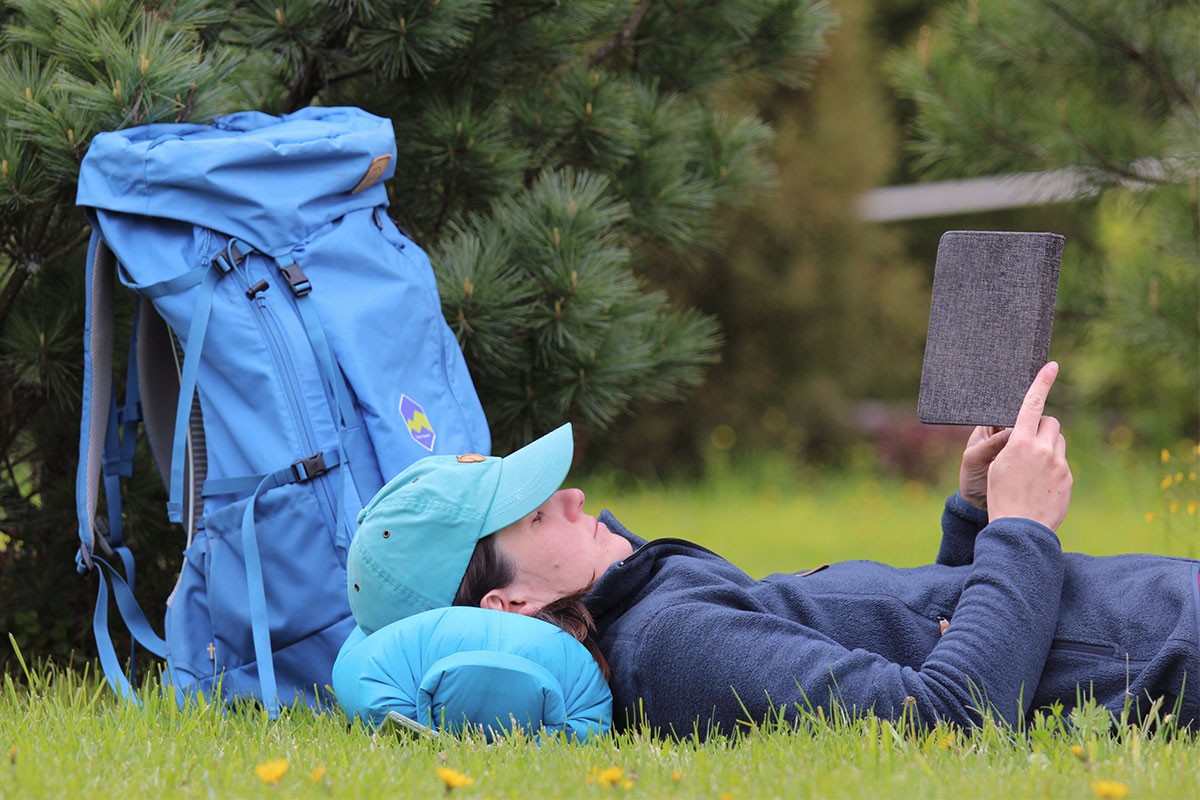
1048, 293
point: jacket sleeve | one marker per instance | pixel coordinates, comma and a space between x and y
961, 523
715, 665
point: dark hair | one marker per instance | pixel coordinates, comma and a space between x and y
490, 569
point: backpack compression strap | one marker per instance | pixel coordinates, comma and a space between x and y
135, 621
221, 265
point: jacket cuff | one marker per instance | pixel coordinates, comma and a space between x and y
959, 507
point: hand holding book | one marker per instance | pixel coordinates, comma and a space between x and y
984, 444
1030, 476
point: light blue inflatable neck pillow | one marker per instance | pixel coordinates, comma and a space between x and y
460, 668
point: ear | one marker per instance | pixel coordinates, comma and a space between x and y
505, 600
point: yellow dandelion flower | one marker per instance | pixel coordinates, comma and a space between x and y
1151, 516
946, 742
12, 755
1179, 477
317, 774
1174, 506
1192, 507
1077, 751
1165, 455
1110, 790
272, 771
1165, 483
453, 778
607, 777
677, 776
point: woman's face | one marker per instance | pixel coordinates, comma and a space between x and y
557, 551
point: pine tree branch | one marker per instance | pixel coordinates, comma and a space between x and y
18, 254
15, 428
678, 25
75, 240
305, 88
1157, 72
624, 37
992, 132
348, 75
12, 288
20, 249
1122, 171
447, 193
311, 77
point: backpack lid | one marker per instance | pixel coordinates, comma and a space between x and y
269, 181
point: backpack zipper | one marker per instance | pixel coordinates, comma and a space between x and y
268, 326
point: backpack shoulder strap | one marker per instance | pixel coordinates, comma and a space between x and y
97, 392
97, 440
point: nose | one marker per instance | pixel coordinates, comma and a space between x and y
572, 502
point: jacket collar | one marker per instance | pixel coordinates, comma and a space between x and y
621, 584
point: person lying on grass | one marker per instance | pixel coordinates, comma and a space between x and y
1002, 623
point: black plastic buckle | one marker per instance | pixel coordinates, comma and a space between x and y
296, 279
228, 259
308, 468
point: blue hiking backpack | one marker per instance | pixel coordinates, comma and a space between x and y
288, 356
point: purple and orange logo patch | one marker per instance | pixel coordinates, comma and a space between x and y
416, 421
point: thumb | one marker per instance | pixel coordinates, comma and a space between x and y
992, 445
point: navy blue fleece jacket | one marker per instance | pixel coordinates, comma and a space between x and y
696, 645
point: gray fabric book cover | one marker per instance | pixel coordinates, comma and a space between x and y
989, 325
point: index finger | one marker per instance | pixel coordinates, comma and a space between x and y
1035, 400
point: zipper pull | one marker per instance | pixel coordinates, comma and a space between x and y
253, 292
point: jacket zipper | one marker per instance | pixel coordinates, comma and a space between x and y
1083, 647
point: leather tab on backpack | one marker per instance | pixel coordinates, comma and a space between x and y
374, 172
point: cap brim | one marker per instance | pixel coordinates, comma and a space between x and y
529, 476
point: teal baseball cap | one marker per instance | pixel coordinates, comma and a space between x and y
416, 536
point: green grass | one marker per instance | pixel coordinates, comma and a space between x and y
68, 737
65, 735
